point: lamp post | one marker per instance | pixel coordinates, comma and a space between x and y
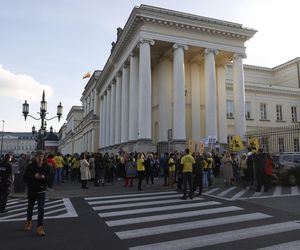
43, 112
2, 137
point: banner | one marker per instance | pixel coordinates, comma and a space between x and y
236, 144
253, 143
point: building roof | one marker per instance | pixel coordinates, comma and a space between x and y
51, 137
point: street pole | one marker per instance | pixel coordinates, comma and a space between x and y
2, 136
43, 112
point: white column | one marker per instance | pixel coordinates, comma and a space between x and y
96, 102
195, 92
210, 93
222, 120
112, 113
133, 97
101, 123
83, 105
125, 104
108, 115
118, 110
165, 98
105, 119
93, 147
145, 109
179, 93
239, 95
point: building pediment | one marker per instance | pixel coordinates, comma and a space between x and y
194, 23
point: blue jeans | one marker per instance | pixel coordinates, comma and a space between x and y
205, 179
57, 177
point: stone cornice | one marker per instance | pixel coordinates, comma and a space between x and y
274, 69
195, 27
194, 22
73, 110
255, 68
267, 89
92, 82
286, 64
179, 20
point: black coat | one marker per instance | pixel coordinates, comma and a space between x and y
37, 185
5, 174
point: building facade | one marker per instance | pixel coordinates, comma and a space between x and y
81, 132
173, 75
17, 143
167, 71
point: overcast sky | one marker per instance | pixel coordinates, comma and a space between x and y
51, 44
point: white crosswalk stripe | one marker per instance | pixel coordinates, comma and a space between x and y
189, 225
17, 210
156, 209
293, 245
166, 226
133, 199
139, 204
224, 237
243, 193
172, 216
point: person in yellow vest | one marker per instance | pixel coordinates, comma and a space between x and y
171, 164
75, 165
187, 162
210, 166
59, 164
140, 170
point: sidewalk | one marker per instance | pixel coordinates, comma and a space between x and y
70, 189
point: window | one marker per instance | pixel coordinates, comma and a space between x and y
229, 139
280, 144
296, 145
263, 111
229, 108
264, 144
279, 112
248, 110
294, 113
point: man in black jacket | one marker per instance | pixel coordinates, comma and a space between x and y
260, 162
37, 177
5, 181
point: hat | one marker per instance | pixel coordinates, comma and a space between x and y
39, 152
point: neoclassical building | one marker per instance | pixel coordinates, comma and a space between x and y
173, 75
167, 71
81, 131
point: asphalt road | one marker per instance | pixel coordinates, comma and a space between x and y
158, 220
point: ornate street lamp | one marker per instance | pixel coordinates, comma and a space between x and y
43, 112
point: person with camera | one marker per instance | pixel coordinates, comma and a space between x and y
37, 177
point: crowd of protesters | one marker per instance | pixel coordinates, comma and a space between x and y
186, 172
252, 169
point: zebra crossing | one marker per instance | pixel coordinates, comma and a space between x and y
243, 193
160, 220
54, 209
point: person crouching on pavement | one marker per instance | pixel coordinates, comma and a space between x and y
37, 177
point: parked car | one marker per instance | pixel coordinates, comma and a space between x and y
287, 167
